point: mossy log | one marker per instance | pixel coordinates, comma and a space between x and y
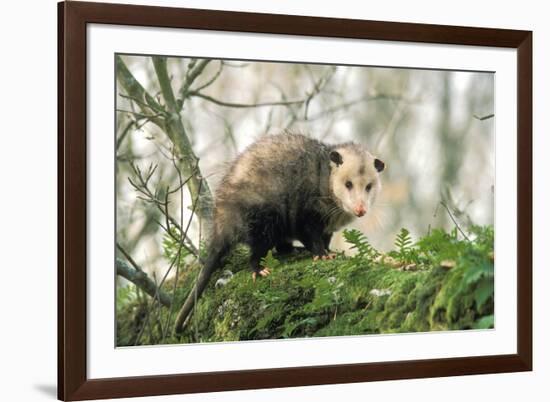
442, 283
449, 289
307, 299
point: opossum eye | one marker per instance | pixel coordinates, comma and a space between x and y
349, 185
368, 188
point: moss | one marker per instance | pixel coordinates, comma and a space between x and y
345, 296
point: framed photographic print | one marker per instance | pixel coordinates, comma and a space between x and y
253, 200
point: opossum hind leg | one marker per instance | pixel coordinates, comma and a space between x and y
317, 245
327, 237
259, 251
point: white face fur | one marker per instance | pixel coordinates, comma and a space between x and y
354, 179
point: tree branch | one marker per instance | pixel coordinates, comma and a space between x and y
141, 280
192, 75
134, 90
142, 186
168, 121
454, 220
244, 105
213, 79
484, 117
175, 130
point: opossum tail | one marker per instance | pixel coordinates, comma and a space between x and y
218, 250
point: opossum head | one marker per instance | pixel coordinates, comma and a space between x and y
354, 178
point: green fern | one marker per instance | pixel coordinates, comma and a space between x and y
270, 261
360, 243
403, 241
406, 251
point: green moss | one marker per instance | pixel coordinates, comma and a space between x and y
451, 288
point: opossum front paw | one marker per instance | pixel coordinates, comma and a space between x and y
326, 257
262, 272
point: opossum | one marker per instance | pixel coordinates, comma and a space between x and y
283, 188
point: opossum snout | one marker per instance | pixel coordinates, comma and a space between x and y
359, 210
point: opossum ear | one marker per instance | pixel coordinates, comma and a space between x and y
379, 165
336, 158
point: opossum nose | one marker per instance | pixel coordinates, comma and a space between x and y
360, 210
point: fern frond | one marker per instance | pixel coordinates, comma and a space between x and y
360, 243
403, 241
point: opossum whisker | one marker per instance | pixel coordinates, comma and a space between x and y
332, 212
328, 213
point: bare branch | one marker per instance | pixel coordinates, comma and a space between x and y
141, 280
193, 72
140, 116
484, 117
134, 89
154, 107
244, 105
179, 319
345, 105
170, 267
176, 132
182, 237
122, 135
128, 257
142, 186
454, 220
213, 79
318, 86
170, 123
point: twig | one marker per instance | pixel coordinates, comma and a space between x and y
244, 105
134, 89
151, 104
128, 257
166, 212
141, 280
391, 128
181, 244
213, 79
140, 116
176, 131
290, 109
317, 88
192, 73
345, 105
148, 196
179, 323
484, 117
454, 221
195, 305
125, 132
170, 122
138, 338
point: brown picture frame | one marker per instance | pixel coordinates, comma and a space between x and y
73, 17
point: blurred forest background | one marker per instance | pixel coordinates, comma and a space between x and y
434, 130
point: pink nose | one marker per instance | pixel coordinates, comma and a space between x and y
360, 210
